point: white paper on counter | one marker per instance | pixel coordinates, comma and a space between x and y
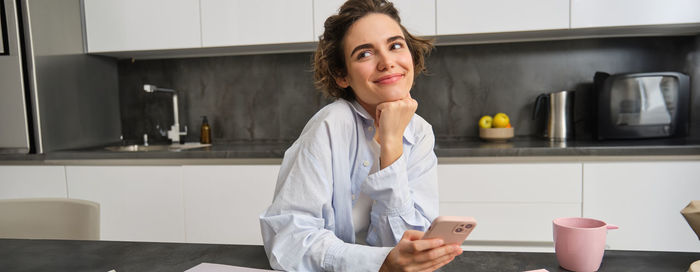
210, 267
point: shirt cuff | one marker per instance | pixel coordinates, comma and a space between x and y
353, 257
389, 189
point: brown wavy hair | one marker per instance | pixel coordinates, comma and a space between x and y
329, 59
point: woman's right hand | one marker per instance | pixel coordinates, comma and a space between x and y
414, 254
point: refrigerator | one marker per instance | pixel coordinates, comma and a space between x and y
53, 96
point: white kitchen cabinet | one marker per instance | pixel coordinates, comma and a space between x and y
418, 16
644, 199
243, 22
223, 202
606, 13
476, 16
514, 204
137, 203
32, 181
129, 25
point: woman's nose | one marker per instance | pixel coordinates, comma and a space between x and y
385, 61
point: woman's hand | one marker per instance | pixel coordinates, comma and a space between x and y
392, 119
413, 254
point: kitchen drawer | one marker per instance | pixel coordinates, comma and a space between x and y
243, 22
30, 181
644, 199
223, 202
512, 183
511, 222
137, 203
456, 17
129, 25
605, 13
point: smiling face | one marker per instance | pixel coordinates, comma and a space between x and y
378, 61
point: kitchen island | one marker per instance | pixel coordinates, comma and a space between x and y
66, 255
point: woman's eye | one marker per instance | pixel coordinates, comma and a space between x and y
396, 46
363, 54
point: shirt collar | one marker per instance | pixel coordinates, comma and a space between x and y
359, 110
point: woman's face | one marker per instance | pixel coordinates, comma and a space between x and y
378, 62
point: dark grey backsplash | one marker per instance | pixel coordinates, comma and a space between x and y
271, 97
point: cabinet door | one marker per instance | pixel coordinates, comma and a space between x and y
476, 16
418, 16
644, 199
604, 13
223, 203
243, 22
137, 203
31, 181
129, 25
511, 202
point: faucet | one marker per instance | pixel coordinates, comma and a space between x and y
174, 133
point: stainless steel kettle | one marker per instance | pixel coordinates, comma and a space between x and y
559, 109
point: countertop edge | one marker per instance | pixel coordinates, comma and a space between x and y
278, 161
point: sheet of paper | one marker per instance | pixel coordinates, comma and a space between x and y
210, 267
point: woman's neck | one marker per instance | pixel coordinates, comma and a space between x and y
371, 109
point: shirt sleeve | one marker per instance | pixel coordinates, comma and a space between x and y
405, 194
296, 228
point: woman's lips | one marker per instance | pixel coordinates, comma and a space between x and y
388, 79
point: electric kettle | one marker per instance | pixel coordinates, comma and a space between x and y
559, 111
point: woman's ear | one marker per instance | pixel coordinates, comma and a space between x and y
342, 82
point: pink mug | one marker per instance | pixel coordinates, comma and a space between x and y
579, 243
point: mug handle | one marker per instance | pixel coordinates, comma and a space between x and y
610, 227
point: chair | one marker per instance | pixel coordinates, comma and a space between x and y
50, 218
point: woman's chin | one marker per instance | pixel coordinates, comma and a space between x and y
394, 95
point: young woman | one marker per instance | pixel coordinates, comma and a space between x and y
358, 188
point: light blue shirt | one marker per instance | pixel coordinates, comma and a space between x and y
309, 227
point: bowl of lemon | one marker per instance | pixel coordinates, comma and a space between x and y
496, 128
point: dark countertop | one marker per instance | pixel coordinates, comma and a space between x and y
530, 146
59, 255
469, 147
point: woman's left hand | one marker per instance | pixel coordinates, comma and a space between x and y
392, 119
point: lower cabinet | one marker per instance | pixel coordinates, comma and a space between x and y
644, 199
137, 203
222, 203
32, 181
514, 204
197, 203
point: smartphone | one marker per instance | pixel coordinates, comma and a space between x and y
451, 229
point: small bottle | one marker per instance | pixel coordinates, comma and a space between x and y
205, 135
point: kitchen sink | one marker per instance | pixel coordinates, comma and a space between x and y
146, 148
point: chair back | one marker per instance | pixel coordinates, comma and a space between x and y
49, 218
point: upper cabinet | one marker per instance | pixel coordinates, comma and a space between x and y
244, 22
606, 13
477, 16
418, 16
131, 25
135, 28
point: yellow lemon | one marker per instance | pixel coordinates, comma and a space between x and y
500, 120
485, 121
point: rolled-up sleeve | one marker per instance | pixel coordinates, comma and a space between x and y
405, 194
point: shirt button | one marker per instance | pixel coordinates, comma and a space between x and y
353, 197
370, 128
365, 163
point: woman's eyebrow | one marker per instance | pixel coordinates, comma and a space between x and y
397, 37
360, 47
